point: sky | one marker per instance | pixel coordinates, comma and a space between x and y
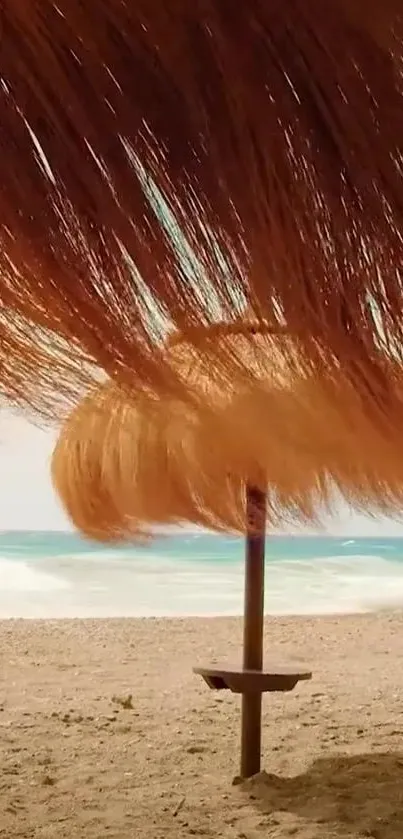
27, 500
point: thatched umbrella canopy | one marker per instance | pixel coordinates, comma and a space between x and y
289, 437
190, 159
122, 466
263, 448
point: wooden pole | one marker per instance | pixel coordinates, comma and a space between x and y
253, 629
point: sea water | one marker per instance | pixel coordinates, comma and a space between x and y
57, 575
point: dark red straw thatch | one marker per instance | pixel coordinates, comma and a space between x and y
202, 156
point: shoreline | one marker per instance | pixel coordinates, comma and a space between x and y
196, 579
79, 759
201, 619
213, 617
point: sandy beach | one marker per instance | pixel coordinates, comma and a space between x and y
80, 759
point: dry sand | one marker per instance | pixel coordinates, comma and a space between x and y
76, 763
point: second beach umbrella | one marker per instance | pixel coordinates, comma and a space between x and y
125, 463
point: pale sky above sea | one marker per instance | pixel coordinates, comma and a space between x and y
27, 501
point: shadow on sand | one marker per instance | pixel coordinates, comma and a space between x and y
361, 794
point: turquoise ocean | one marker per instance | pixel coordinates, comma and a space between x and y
58, 575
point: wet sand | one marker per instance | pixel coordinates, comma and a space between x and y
105, 732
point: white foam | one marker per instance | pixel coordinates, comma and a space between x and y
20, 576
152, 585
335, 585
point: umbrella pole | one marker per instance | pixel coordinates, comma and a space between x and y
253, 629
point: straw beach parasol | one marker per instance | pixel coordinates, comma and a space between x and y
125, 462
189, 160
